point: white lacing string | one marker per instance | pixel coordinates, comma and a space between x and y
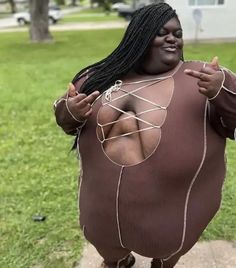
113, 88
146, 100
117, 207
117, 87
128, 133
119, 83
128, 117
148, 80
133, 116
122, 119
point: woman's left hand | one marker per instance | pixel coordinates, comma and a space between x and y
210, 78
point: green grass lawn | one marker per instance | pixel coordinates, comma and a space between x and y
38, 173
5, 15
88, 15
96, 17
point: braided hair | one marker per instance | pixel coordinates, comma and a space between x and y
142, 29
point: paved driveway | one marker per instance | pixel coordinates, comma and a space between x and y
213, 254
11, 21
73, 26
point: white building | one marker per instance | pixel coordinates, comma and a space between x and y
204, 19
216, 18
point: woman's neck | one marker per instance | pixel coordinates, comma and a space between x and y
145, 73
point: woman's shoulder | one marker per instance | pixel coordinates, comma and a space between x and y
194, 64
80, 80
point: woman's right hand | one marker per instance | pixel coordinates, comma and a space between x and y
80, 104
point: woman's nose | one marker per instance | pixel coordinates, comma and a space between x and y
170, 38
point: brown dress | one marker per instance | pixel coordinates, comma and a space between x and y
159, 199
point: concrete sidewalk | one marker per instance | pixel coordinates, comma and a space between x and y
214, 254
74, 26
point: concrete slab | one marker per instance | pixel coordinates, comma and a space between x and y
213, 254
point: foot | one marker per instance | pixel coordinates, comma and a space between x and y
155, 263
126, 263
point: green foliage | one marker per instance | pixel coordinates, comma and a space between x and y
61, 2
38, 173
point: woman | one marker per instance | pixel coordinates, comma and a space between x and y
151, 180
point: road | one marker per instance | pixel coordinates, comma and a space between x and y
74, 26
7, 22
11, 22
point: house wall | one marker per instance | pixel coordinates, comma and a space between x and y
218, 22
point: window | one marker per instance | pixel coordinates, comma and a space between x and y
206, 2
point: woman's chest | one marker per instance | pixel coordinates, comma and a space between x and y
137, 116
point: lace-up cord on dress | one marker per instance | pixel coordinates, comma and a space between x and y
118, 86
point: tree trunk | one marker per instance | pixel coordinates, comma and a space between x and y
39, 28
73, 3
12, 5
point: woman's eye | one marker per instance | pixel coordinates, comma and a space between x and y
178, 34
162, 32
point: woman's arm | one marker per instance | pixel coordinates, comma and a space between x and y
222, 107
73, 109
219, 86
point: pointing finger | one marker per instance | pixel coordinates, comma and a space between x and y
71, 90
208, 70
199, 75
215, 64
83, 100
92, 97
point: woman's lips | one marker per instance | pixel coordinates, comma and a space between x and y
170, 49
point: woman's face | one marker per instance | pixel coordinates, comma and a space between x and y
165, 50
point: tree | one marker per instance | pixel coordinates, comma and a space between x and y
12, 5
73, 3
39, 28
106, 5
60, 2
